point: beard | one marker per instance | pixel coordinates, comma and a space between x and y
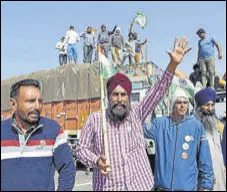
28, 122
209, 120
118, 115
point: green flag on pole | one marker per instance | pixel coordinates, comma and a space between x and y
140, 19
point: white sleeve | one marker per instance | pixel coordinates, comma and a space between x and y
78, 37
58, 45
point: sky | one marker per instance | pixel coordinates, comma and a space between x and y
30, 30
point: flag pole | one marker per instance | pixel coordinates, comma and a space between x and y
103, 110
146, 52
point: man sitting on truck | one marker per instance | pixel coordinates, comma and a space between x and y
130, 169
196, 75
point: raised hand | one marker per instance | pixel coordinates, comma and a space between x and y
179, 50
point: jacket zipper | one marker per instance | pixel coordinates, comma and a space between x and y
174, 157
29, 135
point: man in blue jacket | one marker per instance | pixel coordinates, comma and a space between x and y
182, 159
32, 147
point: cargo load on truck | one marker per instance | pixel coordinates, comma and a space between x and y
71, 92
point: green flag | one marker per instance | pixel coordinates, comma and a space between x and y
140, 19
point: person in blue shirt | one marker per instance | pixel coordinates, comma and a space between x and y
206, 57
182, 160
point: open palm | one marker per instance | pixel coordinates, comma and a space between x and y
179, 50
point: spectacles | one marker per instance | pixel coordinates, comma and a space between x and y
182, 102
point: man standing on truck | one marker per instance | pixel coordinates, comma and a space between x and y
62, 47
182, 152
89, 44
206, 57
116, 45
71, 39
104, 39
130, 169
32, 147
130, 50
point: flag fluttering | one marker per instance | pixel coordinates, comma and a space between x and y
140, 19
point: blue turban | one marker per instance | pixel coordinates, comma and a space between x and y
204, 96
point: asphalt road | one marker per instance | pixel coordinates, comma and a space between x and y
83, 181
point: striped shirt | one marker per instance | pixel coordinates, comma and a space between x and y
130, 169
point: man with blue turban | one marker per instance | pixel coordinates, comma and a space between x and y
205, 112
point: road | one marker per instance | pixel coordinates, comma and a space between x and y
220, 108
83, 181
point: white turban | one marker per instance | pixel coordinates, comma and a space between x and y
179, 93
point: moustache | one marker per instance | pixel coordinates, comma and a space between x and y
209, 113
34, 112
116, 105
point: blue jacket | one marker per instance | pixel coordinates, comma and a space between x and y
182, 154
30, 164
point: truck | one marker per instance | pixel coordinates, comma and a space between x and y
72, 92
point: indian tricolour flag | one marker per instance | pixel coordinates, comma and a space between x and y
107, 68
140, 19
180, 80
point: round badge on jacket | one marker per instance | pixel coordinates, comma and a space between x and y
184, 155
187, 138
185, 146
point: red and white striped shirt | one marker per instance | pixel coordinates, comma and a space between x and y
130, 168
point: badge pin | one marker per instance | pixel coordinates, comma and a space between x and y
185, 146
184, 155
187, 138
42, 142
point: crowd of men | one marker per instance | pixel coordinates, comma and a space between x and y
188, 157
121, 49
105, 40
